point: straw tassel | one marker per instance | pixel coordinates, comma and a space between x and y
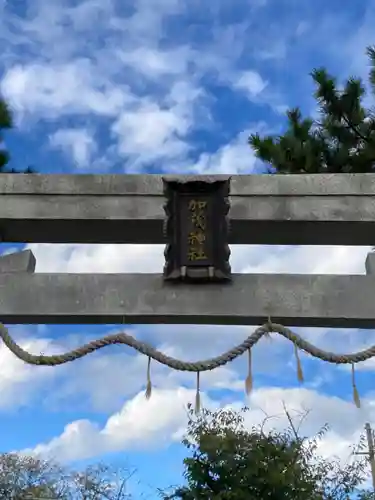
197, 397
249, 378
148, 385
299, 366
356, 399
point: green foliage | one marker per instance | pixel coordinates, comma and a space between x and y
5, 115
6, 122
342, 139
25, 477
229, 462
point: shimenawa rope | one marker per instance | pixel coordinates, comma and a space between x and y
198, 366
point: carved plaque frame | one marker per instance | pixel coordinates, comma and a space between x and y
196, 228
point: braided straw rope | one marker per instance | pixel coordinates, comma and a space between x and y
198, 366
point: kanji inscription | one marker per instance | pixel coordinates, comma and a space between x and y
196, 228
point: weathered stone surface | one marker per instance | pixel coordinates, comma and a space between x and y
251, 185
265, 209
370, 264
18, 262
294, 300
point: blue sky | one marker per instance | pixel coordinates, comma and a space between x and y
106, 86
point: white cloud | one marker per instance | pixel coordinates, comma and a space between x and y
233, 158
76, 143
51, 91
247, 259
87, 382
139, 424
310, 260
346, 422
151, 94
20, 382
71, 258
251, 83
154, 63
142, 424
155, 131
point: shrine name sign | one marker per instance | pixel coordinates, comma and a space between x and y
196, 229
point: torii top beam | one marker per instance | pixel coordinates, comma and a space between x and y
318, 209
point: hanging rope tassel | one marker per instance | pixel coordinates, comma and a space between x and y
299, 366
267, 333
249, 378
356, 399
148, 385
197, 397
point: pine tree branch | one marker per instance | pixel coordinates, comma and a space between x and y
354, 129
5, 115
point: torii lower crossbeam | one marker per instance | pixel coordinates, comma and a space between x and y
293, 300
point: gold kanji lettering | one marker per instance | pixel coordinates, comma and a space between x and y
197, 205
193, 205
199, 220
196, 238
197, 253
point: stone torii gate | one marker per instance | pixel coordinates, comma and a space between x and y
318, 209
197, 218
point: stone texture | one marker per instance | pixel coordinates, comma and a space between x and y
294, 300
370, 264
18, 262
265, 209
150, 184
